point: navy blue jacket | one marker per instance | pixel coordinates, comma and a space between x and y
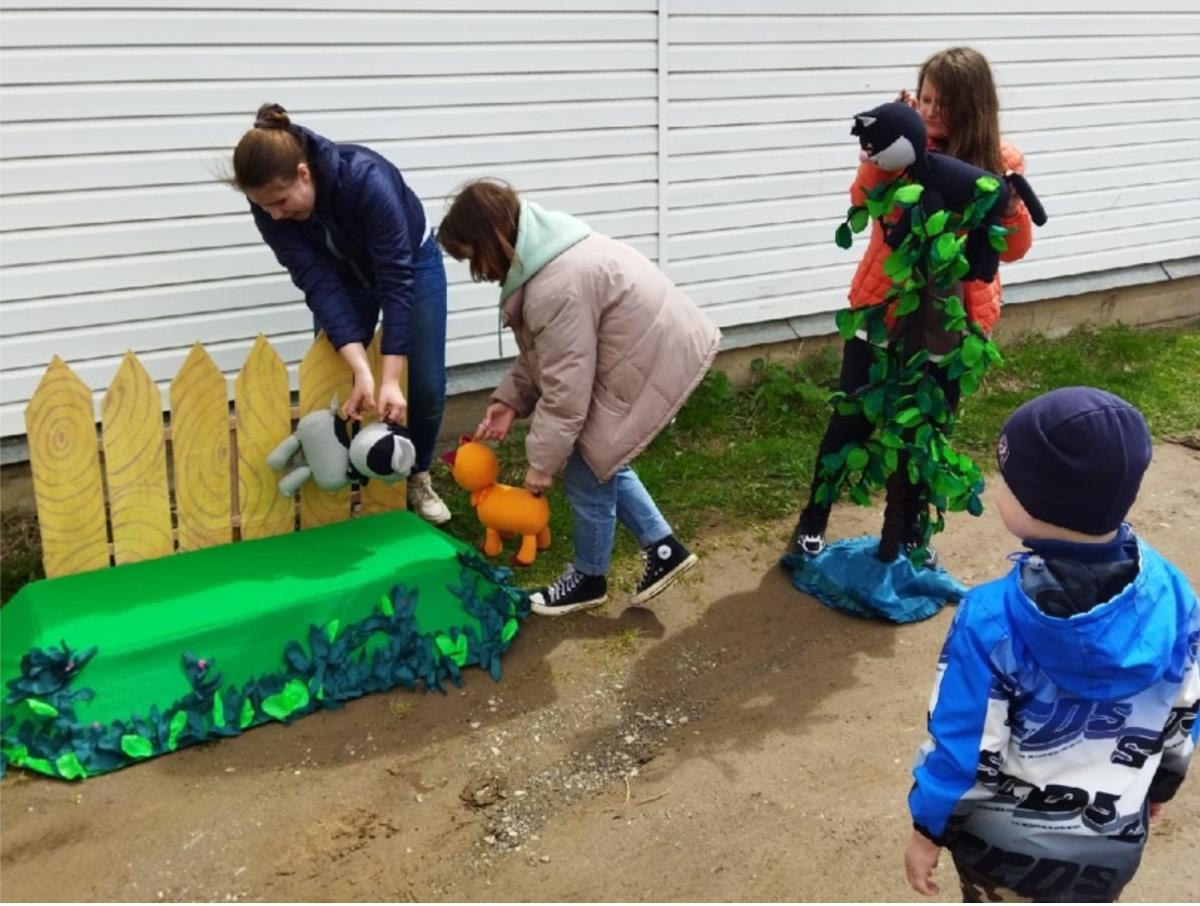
376, 225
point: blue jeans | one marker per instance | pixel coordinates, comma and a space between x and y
426, 351
597, 505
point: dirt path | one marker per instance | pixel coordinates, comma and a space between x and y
737, 742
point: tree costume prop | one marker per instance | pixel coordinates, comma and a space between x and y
334, 451
107, 668
505, 511
940, 217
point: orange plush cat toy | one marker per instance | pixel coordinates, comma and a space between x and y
505, 511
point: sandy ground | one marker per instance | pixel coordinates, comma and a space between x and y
736, 742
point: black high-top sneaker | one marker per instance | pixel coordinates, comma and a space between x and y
573, 591
666, 561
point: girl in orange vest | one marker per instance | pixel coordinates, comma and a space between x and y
956, 97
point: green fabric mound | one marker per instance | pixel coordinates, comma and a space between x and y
107, 668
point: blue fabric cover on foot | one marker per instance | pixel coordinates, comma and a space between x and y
848, 577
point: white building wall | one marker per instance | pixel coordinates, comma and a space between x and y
734, 159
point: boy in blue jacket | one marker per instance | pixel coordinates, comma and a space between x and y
1063, 713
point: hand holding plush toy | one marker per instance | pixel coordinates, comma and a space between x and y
505, 511
333, 452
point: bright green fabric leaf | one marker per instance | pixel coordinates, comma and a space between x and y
136, 746
218, 711
177, 726
936, 222
909, 194
246, 718
45, 709
291, 698
509, 630
859, 218
69, 767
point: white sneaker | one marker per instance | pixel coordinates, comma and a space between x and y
424, 500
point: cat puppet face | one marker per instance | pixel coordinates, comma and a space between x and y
891, 136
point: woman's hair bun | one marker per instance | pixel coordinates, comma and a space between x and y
271, 116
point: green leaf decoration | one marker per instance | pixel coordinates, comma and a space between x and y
69, 767
843, 237
43, 708
998, 243
331, 629
177, 726
858, 218
509, 630
876, 209
909, 194
218, 711
41, 765
987, 183
945, 247
292, 698
246, 718
857, 460
972, 351
936, 222
136, 746
975, 505
15, 754
386, 608
909, 302
908, 418
848, 322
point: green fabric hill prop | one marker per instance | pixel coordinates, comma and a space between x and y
107, 668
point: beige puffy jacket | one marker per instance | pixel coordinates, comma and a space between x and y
610, 349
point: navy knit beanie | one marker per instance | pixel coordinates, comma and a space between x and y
1075, 457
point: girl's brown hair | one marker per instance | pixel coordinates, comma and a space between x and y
970, 107
481, 227
268, 153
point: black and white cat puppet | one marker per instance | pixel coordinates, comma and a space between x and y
893, 137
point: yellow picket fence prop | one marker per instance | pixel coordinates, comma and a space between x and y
120, 498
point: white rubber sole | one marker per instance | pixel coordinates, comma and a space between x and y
538, 607
665, 582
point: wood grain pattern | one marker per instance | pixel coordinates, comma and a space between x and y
135, 465
264, 418
60, 423
200, 453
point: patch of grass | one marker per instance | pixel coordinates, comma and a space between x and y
745, 456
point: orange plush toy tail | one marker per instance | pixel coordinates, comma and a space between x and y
505, 511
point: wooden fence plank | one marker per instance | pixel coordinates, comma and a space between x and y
323, 374
200, 453
60, 423
264, 418
135, 463
376, 496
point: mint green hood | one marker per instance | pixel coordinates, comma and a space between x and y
541, 237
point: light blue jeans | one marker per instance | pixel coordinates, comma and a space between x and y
597, 505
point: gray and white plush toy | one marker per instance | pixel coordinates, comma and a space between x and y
334, 451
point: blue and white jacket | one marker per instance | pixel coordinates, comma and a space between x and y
1049, 735
354, 256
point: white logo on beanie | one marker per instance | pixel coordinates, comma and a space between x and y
1002, 450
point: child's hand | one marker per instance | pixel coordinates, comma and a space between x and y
920, 859
905, 98
1156, 810
537, 482
497, 422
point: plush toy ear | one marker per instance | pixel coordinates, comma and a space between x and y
861, 122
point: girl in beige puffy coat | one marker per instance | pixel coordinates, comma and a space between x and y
610, 350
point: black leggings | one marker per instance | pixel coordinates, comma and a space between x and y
904, 500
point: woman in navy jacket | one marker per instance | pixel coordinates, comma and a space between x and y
355, 239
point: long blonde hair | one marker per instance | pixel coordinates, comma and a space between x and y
969, 104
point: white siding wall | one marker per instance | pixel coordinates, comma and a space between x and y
734, 158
